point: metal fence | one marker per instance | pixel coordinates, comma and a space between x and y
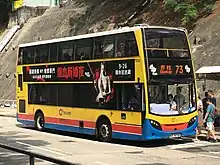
8, 103
33, 155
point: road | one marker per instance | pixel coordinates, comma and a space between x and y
85, 150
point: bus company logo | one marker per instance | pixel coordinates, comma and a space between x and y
187, 68
173, 119
62, 112
153, 69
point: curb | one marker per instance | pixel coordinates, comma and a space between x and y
203, 135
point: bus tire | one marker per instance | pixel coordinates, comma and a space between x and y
39, 121
104, 130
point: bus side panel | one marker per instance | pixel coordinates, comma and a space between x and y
81, 120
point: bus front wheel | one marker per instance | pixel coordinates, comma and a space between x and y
39, 121
104, 130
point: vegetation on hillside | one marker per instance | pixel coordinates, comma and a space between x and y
5, 8
190, 10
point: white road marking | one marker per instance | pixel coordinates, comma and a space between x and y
48, 150
100, 163
191, 145
216, 153
209, 156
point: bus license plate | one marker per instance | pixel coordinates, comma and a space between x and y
175, 135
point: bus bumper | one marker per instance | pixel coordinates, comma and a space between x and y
151, 133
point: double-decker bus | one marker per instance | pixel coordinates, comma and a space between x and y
133, 83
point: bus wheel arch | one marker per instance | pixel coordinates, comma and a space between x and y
39, 120
103, 129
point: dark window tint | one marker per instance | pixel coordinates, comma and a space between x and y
121, 96
42, 94
42, 54
65, 51
84, 96
65, 95
53, 94
129, 96
27, 55
53, 52
84, 49
20, 82
126, 45
166, 43
104, 47
20, 57
39, 94
22, 106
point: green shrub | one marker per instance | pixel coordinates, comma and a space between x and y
187, 10
171, 4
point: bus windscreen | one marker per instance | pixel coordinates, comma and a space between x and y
162, 43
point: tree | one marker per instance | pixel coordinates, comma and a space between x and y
5, 9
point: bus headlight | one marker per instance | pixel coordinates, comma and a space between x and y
155, 124
192, 121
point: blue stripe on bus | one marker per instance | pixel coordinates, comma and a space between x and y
26, 122
125, 136
67, 128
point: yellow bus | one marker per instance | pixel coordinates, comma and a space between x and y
133, 83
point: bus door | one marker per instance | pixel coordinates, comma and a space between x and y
132, 104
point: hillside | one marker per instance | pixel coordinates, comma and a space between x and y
206, 52
84, 16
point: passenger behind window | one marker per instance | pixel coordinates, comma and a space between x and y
120, 52
135, 101
172, 103
179, 98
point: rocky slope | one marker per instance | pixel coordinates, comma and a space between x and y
83, 16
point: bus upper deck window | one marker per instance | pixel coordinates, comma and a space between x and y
120, 48
19, 60
132, 48
42, 54
83, 53
65, 51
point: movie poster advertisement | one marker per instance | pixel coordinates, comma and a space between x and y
90, 71
101, 74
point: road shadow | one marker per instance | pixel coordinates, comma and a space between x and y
146, 144
152, 164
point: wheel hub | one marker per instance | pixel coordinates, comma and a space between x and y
40, 122
104, 131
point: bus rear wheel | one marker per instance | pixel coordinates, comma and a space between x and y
104, 130
39, 121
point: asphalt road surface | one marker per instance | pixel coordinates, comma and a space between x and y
85, 150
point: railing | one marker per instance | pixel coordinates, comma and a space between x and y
8, 37
7, 103
33, 155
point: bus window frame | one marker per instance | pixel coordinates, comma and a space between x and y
67, 45
82, 44
163, 49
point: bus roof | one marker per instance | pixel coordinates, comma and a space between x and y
117, 31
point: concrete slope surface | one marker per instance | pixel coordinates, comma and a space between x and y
76, 17
84, 16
